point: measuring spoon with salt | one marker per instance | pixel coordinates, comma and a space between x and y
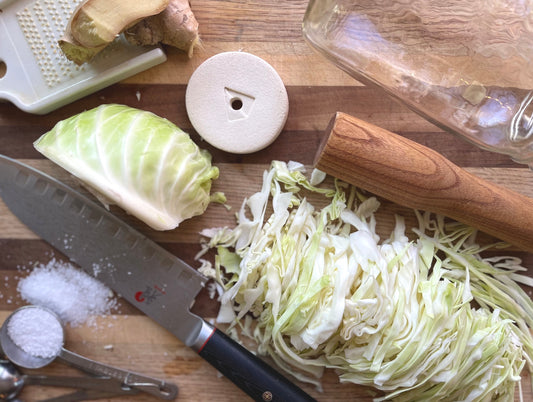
32, 337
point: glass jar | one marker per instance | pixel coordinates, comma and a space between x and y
465, 65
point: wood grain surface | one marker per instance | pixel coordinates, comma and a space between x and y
316, 89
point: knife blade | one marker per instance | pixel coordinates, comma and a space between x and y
152, 279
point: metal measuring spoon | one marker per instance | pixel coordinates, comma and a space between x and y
12, 381
24, 359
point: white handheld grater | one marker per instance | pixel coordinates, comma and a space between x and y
34, 73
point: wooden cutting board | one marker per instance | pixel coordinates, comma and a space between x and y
316, 89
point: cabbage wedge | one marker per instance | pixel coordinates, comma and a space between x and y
135, 159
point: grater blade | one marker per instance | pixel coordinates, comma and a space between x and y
38, 78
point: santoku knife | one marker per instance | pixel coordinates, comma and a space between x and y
152, 279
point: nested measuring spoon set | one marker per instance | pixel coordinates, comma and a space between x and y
33, 336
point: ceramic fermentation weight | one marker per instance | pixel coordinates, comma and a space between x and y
237, 102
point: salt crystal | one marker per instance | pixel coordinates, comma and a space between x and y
96, 269
68, 291
36, 331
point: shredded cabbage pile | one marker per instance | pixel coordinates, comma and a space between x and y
422, 319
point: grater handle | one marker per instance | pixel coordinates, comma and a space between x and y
14, 83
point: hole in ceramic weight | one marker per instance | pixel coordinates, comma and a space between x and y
3, 69
236, 104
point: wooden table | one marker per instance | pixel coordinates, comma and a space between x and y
316, 89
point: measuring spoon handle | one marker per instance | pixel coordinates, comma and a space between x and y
89, 395
153, 386
106, 384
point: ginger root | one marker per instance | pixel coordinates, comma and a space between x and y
176, 26
75, 51
96, 23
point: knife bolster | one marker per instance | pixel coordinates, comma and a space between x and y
206, 332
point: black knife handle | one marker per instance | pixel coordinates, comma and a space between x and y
248, 372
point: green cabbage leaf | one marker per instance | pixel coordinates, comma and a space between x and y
135, 159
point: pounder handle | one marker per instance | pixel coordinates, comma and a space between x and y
412, 175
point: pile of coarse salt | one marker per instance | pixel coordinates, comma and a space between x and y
75, 296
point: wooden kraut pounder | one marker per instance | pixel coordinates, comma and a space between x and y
412, 175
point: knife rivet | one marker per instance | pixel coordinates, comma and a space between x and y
267, 396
